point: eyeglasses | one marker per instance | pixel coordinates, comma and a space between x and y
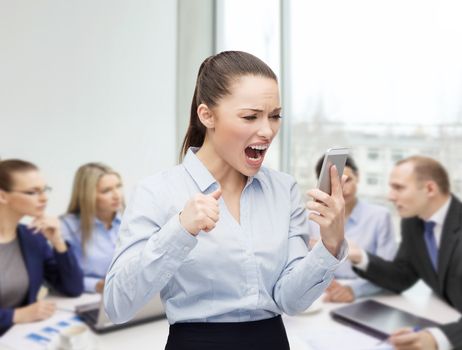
35, 192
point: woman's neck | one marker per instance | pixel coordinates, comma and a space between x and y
106, 218
229, 178
8, 223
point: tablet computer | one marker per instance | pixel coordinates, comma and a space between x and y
378, 319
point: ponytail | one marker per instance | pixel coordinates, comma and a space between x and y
196, 130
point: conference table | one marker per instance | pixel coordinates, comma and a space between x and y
311, 330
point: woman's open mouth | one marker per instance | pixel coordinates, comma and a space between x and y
255, 154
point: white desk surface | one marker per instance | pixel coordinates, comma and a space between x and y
418, 300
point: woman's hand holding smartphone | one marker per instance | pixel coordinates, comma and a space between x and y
328, 206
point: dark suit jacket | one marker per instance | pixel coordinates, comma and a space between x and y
44, 264
412, 262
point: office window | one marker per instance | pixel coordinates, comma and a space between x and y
381, 77
373, 154
372, 179
397, 155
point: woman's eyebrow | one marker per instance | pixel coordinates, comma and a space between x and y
251, 109
260, 110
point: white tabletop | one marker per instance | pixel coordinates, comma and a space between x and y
319, 331
305, 331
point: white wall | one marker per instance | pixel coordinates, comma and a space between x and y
88, 80
196, 26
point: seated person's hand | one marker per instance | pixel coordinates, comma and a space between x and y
37, 311
328, 211
50, 227
406, 338
337, 293
354, 252
99, 288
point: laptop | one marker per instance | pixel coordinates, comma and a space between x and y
95, 317
377, 319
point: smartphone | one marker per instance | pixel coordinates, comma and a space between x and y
333, 156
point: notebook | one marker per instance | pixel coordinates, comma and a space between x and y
377, 319
95, 317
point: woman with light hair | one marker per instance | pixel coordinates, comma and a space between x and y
92, 221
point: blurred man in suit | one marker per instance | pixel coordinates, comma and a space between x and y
431, 248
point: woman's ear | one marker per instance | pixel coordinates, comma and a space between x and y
3, 199
206, 116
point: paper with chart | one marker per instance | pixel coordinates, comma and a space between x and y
39, 335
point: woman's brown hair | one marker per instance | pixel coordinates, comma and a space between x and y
10, 166
216, 74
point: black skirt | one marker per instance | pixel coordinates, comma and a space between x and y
267, 334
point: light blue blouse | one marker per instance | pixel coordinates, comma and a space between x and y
370, 227
99, 249
246, 271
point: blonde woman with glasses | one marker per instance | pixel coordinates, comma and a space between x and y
30, 255
92, 221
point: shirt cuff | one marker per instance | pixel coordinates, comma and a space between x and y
362, 287
6, 318
325, 259
364, 263
174, 236
442, 341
